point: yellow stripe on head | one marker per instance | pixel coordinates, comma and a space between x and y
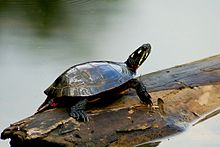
146, 54
142, 57
139, 51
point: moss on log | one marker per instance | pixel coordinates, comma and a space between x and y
188, 91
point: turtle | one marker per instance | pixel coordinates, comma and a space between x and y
89, 82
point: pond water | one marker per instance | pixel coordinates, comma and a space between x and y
203, 132
201, 135
40, 39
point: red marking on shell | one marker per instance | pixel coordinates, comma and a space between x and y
54, 104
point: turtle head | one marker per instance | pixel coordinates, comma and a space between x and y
138, 57
48, 104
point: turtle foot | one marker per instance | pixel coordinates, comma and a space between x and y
77, 111
79, 115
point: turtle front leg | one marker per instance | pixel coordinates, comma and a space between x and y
141, 91
77, 111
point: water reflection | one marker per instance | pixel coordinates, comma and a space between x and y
40, 15
149, 144
55, 29
201, 133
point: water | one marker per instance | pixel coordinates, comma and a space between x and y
200, 135
40, 39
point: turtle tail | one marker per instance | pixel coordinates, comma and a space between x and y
45, 106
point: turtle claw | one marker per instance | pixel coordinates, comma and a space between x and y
74, 114
145, 98
149, 103
83, 116
77, 111
79, 115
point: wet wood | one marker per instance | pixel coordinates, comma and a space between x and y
186, 92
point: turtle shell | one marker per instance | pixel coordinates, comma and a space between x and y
89, 79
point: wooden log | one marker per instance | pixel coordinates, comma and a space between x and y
188, 91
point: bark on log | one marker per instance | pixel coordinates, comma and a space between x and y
188, 91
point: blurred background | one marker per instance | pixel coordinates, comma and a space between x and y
39, 39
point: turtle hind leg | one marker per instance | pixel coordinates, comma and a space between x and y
141, 91
77, 111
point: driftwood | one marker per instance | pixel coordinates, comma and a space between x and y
187, 92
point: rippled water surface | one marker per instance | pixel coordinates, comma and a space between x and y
40, 39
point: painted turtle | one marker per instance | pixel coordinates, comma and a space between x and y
86, 83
